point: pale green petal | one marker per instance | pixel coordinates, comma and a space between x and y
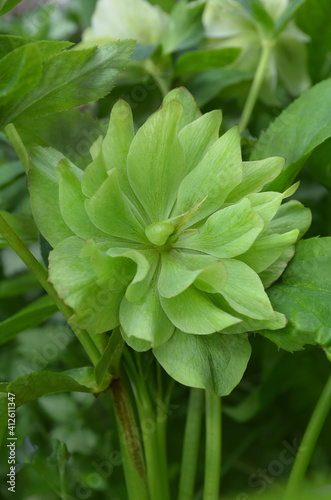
96, 309
273, 272
156, 162
72, 202
159, 232
146, 261
213, 278
193, 312
179, 270
244, 291
267, 204
213, 179
227, 233
215, 362
113, 152
136, 344
112, 212
226, 19
198, 137
112, 273
267, 249
145, 318
191, 112
291, 215
136, 19
255, 175
43, 185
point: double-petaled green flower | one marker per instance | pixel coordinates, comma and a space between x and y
166, 233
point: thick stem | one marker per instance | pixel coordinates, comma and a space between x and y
256, 84
41, 274
308, 443
18, 145
213, 447
191, 445
133, 462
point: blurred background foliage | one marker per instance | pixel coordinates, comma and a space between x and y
268, 412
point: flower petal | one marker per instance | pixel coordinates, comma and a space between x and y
75, 281
255, 175
217, 174
267, 249
291, 215
112, 212
179, 270
43, 185
156, 159
145, 319
227, 233
72, 202
191, 112
244, 291
198, 137
193, 312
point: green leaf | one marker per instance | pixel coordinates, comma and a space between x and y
20, 72
303, 294
23, 226
31, 315
312, 111
217, 174
319, 163
57, 91
201, 60
208, 84
9, 172
193, 312
46, 48
43, 184
215, 362
227, 233
18, 285
7, 5
35, 385
263, 17
184, 28
314, 18
70, 132
156, 154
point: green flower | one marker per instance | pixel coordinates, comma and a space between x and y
228, 24
167, 235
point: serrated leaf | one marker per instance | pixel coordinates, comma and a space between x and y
303, 294
46, 47
72, 78
7, 5
216, 362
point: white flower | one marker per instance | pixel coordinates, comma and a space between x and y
228, 24
137, 19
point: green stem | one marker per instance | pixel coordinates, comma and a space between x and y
213, 447
191, 445
308, 443
154, 71
41, 274
132, 456
18, 145
253, 94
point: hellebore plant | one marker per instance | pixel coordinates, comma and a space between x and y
167, 235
